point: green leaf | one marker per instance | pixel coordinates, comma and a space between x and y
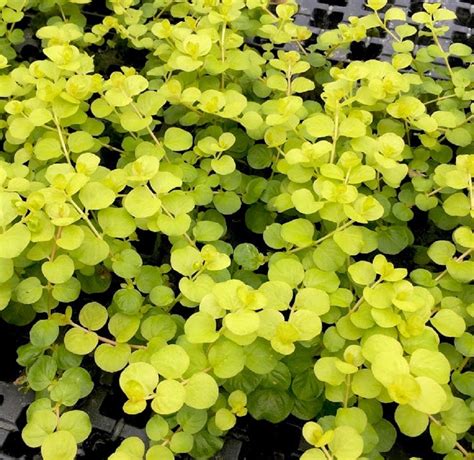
116, 222
247, 256
431, 364
206, 230
226, 358
326, 371
40, 425
298, 232
457, 205
352, 127
157, 428
191, 420
171, 361
93, 316
178, 139
29, 290
431, 398
112, 358
131, 448
376, 4
6, 272
21, 128
462, 270
59, 446
80, 141
353, 417
59, 270
270, 404
410, 421
170, 397
186, 261
289, 271
158, 452
71, 238
95, 195
133, 122
74, 384
41, 373
141, 202
227, 203
319, 125
458, 417
242, 322
123, 327
459, 136
354, 240
142, 373
393, 239
441, 251
387, 367
201, 328
181, 442
313, 299
307, 323
260, 357
44, 333
460, 49
328, 256
79, 341
77, 423
201, 391
223, 165
14, 241
7, 86
47, 149
162, 296
448, 323
362, 273
313, 454
225, 419
444, 440
365, 385
346, 443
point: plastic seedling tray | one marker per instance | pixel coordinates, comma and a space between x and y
322, 15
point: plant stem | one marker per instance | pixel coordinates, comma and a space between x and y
463, 364
105, 339
224, 26
61, 138
185, 234
347, 382
111, 147
459, 259
431, 101
150, 132
386, 29
320, 240
361, 299
335, 135
85, 217
458, 446
326, 453
55, 247
443, 53
471, 193
435, 191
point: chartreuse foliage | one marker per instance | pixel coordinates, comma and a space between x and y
236, 230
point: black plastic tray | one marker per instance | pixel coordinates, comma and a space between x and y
322, 15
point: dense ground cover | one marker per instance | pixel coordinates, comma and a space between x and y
198, 200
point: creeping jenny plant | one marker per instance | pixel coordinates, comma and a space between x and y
236, 229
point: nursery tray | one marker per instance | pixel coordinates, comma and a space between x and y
322, 15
